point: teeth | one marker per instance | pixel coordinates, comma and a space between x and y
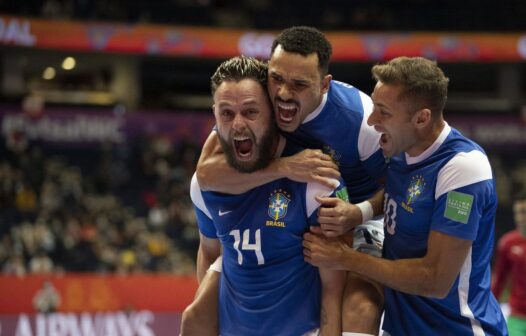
241, 138
287, 106
244, 155
287, 119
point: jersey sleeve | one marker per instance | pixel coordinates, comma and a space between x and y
464, 190
316, 189
369, 150
203, 216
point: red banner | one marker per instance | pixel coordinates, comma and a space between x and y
95, 293
224, 43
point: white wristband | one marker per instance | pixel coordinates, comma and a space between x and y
367, 210
217, 266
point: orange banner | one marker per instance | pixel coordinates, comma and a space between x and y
95, 293
224, 43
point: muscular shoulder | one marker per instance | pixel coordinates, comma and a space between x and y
463, 169
197, 196
357, 106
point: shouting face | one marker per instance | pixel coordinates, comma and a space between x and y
245, 125
392, 118
295, 86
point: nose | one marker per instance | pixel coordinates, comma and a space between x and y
284, 93
373, 118
239, 122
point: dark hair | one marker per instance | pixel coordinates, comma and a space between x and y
239, 68
305, 41
422, 79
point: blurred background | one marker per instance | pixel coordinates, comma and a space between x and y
105, 104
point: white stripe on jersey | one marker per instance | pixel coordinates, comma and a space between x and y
463, 291
318, 109
462, 170
197, 197
368, 138
316, 189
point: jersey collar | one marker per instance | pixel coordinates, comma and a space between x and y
427, 153
317, 111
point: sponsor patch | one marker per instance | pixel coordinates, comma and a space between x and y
458, 206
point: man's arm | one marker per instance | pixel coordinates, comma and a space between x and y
215, 174
432, 275
209, 250
332, 284
337, 217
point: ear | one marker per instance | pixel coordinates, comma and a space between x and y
325, 83
422, 118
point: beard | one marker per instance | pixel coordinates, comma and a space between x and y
263, 148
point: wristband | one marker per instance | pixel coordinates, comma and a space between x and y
217, 266
367, 210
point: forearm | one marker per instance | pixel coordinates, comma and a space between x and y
411, 276
204, 260
215, 174
331, 303
377, 202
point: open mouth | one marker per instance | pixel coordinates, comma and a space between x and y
286, 111
244, 147
383, 139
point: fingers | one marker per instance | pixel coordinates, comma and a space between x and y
316, 230
329, 202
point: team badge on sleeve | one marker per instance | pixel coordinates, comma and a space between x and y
278, 204
458, 206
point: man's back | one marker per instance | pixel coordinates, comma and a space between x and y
339, 128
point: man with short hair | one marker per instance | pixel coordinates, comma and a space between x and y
440, 202
266, 288
329, 117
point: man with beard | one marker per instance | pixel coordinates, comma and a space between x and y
266, 288
440, 203
330, 117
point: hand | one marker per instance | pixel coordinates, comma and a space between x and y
336, 216
310, 165
324, 252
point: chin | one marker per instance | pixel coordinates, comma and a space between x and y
287, 127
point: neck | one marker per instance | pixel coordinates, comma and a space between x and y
426, 137
277, 148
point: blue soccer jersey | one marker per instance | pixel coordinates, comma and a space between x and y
266, 287
449, 188
339, 128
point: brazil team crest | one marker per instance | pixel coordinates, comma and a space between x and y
278, 204
415, 189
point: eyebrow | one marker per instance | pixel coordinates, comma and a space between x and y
248, 102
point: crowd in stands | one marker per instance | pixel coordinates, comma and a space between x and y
445, 15
122, 209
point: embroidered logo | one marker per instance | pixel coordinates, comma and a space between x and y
278, 204
415, 189
222, 213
